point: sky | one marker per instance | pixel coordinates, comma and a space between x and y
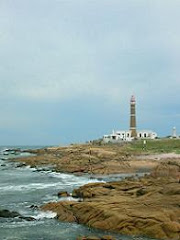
69, 67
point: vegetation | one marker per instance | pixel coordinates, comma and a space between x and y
154, 146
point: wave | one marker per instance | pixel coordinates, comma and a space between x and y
28, 186
45, 215
70, 178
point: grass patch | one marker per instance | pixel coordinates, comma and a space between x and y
154, 146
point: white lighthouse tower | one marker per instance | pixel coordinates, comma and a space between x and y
174, 134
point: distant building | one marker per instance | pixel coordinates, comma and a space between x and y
132, 133
118, 136
146, 134
174, 133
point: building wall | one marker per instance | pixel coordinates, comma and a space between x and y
146, 134
120, 136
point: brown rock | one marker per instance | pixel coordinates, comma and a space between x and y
88, 238
77, 159
117, 208
64, 210
108, 237
149, 206
63, 194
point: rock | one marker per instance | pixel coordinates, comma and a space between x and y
140, 192
108, 237
109, 186
154, 213
20, 165
3, 165
64, 210
88, 238
63, 194
76, 159
27, 218
148, 206
34, 207
8, 214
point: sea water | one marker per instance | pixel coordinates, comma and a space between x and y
22, 187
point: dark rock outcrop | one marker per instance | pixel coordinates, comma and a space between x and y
34, 207
4, 213
20, 165
63, 194
8, 214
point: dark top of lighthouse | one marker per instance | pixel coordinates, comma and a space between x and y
133, 100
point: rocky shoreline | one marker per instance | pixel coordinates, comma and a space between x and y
82, 159
146, 206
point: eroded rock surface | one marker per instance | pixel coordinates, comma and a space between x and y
80, 159
148, 206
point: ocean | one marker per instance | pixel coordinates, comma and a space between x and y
22, 187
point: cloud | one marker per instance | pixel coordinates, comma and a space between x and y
67, 51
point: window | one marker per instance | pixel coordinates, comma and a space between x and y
145, 135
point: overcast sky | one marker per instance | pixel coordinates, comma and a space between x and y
69, 67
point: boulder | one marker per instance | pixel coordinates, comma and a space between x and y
34, 207
63, 194
27, 218
8, 214
20, 165
3, 165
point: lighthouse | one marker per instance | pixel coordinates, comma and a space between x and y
133, 117
132, 133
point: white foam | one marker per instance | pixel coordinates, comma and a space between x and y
47, 214
20, 224
68, 199
68, 179
28, 186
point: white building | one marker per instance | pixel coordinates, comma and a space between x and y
146, 134
118, 136
125, 136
